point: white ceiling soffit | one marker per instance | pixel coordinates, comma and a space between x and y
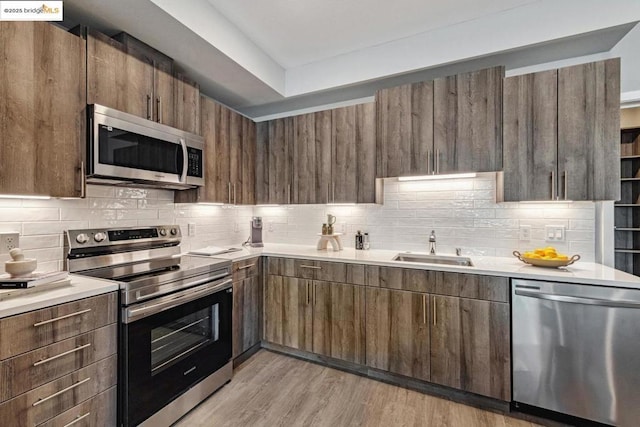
240, 68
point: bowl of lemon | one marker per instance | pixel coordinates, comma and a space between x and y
546, 257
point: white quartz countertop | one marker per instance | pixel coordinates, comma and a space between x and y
581, 272
19, 301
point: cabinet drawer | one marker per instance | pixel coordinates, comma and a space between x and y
318, 270
45, 402
97, 411
25, 332
246, 268
35, 368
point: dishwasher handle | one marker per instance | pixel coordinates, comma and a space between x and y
577, 300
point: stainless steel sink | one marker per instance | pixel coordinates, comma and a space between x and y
434, 259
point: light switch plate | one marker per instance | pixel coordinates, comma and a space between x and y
192, 230
555, 233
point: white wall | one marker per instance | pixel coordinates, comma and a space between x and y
463, 214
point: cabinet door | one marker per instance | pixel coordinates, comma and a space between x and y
246, 191
397, 332
234, 157
42, 110
353, 160
445, 341
187, 104
468, 122
261, 186
163, 92
485, 348
589, 131
247, 310
531, 136
339, 321
311, 158
287, 312
117, 79
279, 160
405, 130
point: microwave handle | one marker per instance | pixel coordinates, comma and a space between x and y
185, 160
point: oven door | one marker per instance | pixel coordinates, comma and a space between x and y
170, 344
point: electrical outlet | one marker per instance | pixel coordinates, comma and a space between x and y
270, 225
342, 227
9, 241
554, 233
525, 233
192, 230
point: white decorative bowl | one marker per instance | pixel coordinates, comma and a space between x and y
21, 268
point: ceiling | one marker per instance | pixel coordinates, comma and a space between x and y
298, 32
269, 57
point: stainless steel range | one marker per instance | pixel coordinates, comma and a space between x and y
175, 334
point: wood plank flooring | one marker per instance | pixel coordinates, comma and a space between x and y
275, 390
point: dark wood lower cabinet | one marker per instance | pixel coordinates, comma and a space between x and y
398, 332
247, 310
458, 340
470, 346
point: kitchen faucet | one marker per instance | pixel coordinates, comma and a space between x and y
432, 243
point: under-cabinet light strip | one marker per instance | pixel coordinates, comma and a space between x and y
434, 177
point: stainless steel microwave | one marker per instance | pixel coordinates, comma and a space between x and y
124, 149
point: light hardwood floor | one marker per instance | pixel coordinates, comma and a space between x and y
275, 390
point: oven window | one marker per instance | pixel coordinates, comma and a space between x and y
176, 340
130, 150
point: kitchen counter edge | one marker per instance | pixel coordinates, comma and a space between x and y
80, 287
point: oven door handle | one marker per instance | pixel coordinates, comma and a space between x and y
173, 300
140, 296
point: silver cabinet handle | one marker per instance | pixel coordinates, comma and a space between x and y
159, 109
58, 393
307, 293
553, 185
66, 316
424, 309
566, 184
328, 200
244, 267
83, 180
333, 192
429, 163
435, 311
437, 161
289, 194
148, 107
185, 160
234, 193
57, 356
229, 191
313, 267
578, 300
78, 418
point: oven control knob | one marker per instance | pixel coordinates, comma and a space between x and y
163, 232
99, 237
174, 231
82, 238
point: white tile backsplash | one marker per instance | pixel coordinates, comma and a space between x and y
463, 214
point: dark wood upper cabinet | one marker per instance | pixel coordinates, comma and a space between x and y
561, 134
467, 121
531, 136
405, 130
186, 100
452, 124
162, 97
229, 160
353, 154
322, 157
117, 79
42, 110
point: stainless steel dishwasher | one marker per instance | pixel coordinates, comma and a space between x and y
576, 350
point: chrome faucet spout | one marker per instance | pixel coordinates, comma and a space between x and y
432, 243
